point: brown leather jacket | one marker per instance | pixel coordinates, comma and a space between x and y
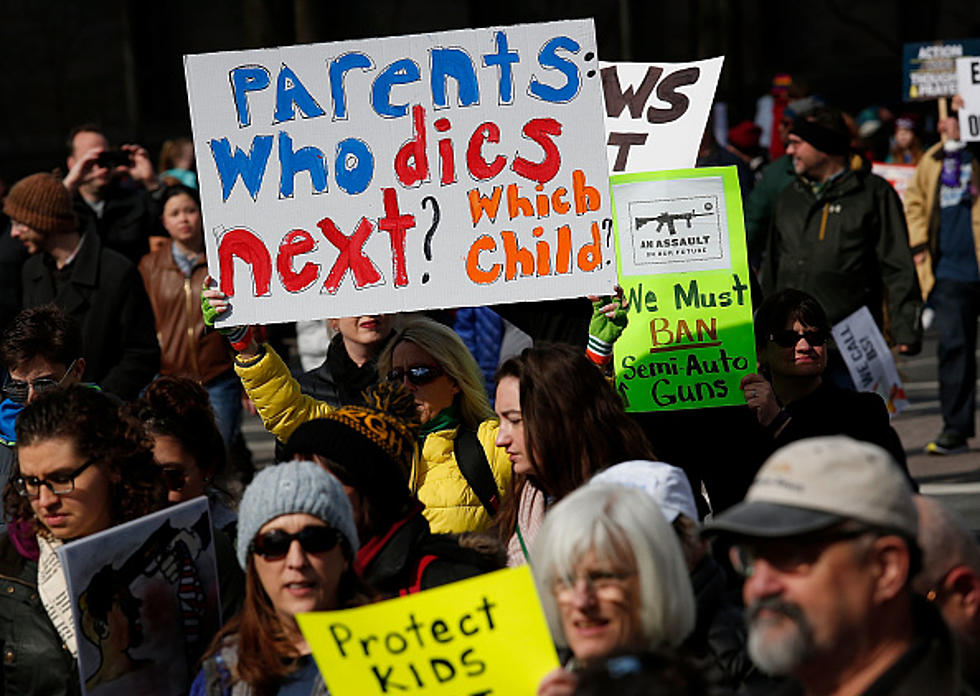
185, 349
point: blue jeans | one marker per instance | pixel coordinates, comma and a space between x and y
226, 400
957, 306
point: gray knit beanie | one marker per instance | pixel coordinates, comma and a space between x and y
289, 488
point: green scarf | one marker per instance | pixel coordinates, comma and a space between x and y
444, 420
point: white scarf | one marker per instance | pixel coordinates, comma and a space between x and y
53, 590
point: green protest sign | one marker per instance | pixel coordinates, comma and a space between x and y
681, 258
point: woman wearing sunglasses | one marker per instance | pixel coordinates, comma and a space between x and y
82, 468
439, 371
445, 381
296, 543
187, 445
791, 398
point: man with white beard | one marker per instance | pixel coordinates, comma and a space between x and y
826, 540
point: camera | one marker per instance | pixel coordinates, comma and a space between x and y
113, 158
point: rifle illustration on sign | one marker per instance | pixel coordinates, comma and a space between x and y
668, 219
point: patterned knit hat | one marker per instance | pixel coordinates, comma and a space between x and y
356, 435
42, 203
289, 488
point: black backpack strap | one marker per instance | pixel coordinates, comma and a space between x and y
472, 462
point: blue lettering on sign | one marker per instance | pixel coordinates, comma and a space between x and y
250, 167
503, 59
245, 79
307, 159
549, 59
401, 72
339, 67
353, 179
454, 63
290, 91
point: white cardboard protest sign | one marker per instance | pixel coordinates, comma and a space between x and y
869, 362
898, 175
656, 113
144, 598
393, 174
968, 86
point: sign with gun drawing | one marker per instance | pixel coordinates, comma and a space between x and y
144, 600
680, 242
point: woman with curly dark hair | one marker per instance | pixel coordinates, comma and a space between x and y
178, 418
560, 423
82, 467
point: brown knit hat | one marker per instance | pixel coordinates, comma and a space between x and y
41, 202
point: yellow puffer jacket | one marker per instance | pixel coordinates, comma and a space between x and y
451, 506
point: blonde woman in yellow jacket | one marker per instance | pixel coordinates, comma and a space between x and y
438, 369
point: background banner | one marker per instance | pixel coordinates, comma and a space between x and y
656, 113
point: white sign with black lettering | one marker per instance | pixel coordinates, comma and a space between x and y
656, 113
869, 361
968, 86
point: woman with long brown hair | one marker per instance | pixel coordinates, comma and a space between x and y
560, 422
296, 542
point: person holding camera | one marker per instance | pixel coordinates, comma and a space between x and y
112, 191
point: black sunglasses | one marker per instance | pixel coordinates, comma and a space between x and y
789, 338
418, 375
174, 478
274, 545
17, 390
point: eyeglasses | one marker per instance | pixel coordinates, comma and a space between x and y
174, 478
787, 555
418, 375
274, 545
789, 338
59, 484
18, 391
604, 584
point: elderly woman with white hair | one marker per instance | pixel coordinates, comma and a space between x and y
612, 578
717, 645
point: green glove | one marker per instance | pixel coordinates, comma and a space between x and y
207, 311
604, 331
238, 336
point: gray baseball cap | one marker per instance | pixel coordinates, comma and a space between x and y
815, 483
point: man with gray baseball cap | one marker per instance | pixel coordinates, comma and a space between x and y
826, 541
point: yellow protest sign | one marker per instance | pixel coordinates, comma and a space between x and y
486, 635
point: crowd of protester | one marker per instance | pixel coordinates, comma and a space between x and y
665, 560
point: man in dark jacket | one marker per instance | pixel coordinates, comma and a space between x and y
96, 286
840, 234
826, 541
112, 197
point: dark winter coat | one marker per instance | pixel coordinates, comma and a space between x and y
105, 294
848, 248
409, 558
35, 660
339, 381
829, 410
129, 218
718, 642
